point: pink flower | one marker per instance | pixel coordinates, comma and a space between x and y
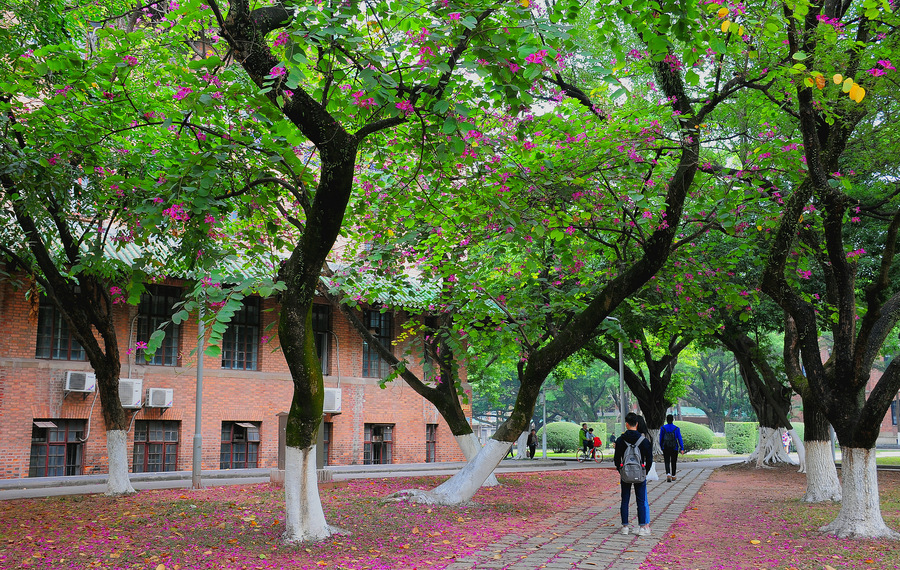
281, 39
278, 71
455, 16
886, 63
182, 93
537, 57
130, 60
53, 158
405, 106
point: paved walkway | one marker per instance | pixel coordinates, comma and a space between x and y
559, 542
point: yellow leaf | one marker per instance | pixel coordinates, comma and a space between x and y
525, 3
754, 542
725, 25
808, 81
860, 93
741, 31
837, 78
820, 82
459, 519
827, 567
848, 83
160, 567
415, 530
759, 228
321, 563
723, 11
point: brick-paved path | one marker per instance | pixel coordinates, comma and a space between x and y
559, 542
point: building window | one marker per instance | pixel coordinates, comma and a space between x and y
56, 448
240, 343
240, 445
155, 309
326, 441
378, 441
430, 443
53, 339
155, 446
380, 325
321, 324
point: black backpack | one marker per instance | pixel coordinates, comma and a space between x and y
632, 466
669, 440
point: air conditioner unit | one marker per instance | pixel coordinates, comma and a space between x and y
130, 390
332, 401
80, 381
159, 397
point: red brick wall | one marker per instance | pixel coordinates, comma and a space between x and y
33, 389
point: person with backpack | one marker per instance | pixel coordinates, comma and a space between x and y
670, 438
633, 458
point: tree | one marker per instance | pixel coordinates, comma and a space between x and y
337, 75
711, 389
817, 219
73, 171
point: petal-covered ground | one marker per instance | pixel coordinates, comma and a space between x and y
239, 527
742, 519
753, 519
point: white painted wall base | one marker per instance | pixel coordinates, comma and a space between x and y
860, 515
118, 482
305, 519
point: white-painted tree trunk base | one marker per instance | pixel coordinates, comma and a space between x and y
470, 447
460, 488
769, 449
822, 483
801, 450
305, 518
657, 446
860, 515
118, 482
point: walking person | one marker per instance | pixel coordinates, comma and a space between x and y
633, 458
672, 445
532, 443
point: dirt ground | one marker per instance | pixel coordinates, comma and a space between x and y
748, 518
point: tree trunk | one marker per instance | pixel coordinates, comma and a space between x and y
801, 449
118, 482
769, 448
470, 447
822, 482
461, 487
860, 515
305, 520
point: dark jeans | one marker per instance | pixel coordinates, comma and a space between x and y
670, 456
640, 495
531, 449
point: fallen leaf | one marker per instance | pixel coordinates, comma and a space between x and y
754, 542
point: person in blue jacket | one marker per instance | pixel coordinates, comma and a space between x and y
672, 445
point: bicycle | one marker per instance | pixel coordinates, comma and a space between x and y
581, 456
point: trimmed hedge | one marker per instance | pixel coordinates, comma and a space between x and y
563, 436
741, 437
696, 437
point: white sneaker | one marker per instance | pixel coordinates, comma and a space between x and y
643, 531
625, 529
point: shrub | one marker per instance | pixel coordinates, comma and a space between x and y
719, 442
561, 436
741, 437
800, 429
696, 437
599, 431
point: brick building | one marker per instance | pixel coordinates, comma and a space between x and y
51, 422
